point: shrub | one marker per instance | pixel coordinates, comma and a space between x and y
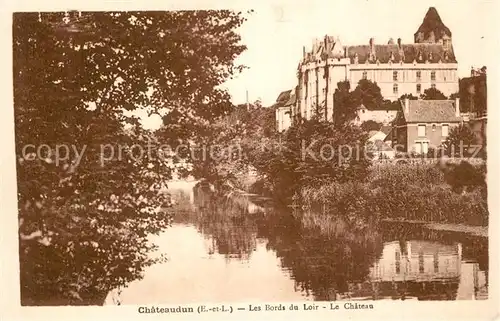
409, 191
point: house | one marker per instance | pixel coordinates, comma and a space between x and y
397, 68
383, 114
424, 124
381, 149
380, 134
283, 105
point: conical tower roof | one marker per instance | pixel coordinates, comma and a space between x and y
432, 23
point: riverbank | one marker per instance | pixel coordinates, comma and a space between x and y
477, 231
407, 192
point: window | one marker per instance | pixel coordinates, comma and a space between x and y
419, 88
444, 130
421, 130
365, 75
425, 147
433, 127
433, 86
418, 148
395, 88
419, 75
433, 75
395, 75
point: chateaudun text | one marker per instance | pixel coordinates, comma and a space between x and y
258, 308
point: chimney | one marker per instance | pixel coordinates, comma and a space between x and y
303, 51
457, 107
326, 41
372, 49
407, 106
399, 42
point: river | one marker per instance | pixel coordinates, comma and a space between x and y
219, 252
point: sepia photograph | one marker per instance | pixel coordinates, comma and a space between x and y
300, 157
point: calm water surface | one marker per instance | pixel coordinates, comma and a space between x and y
225, 253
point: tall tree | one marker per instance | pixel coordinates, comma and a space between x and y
84, 217
460, 141
409, 96
368, 93
345, 106
433, 94
370, 125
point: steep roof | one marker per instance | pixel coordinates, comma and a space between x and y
432, 23
386, 129
283, 96
291, 101
382, 146
408, 53
429, 111
425, 49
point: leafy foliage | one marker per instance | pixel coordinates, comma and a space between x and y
409, 96
346, 101
84, 222
391, 191
433, 94
370, 125
368, 93
310, 154
345, 105
473, 94
460, 141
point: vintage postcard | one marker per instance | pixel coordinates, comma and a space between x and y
250, 160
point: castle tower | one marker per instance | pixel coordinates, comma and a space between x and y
433, 30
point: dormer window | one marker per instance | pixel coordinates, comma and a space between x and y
392, 56
420, 58
446, 56
356, 59
430, 56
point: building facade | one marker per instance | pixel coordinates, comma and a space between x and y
283, 108
425, 124
396, 67
384, 116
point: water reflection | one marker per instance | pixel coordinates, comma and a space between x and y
220, 250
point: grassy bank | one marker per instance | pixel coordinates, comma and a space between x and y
408, 191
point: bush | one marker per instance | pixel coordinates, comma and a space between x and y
300, 159
406, 191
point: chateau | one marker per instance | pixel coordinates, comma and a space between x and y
396, 67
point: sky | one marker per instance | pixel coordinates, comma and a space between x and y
276, 34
